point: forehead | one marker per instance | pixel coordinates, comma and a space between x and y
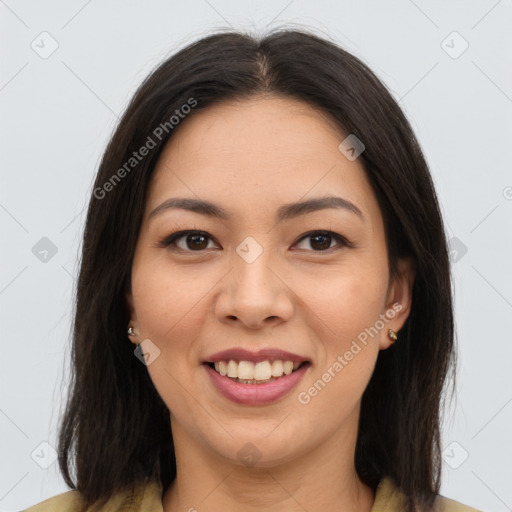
256, 152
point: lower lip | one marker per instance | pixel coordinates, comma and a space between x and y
256, 394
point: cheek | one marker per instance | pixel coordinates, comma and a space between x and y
168, 301
347, 300
346, 309
171, 314
347, 305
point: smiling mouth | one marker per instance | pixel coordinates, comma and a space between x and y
247, 372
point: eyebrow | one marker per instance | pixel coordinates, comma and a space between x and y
285, 212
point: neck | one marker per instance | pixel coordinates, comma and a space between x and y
321, 480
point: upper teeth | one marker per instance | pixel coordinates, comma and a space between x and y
263, 370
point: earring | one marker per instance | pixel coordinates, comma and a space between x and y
392, 335
131, 333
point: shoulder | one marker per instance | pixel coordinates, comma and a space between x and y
388, 498
447, 505
67, 501
142, 498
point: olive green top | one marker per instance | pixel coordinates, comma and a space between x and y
148, 498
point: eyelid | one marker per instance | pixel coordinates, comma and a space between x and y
173, 237
343, 241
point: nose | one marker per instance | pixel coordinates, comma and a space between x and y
254, 295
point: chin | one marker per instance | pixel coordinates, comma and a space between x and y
258, 451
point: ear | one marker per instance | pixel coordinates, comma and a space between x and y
398, 300
131, 310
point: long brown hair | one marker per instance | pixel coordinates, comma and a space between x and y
115, 431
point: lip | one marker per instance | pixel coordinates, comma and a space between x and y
241, 354
256, 394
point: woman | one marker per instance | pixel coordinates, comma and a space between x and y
264, 316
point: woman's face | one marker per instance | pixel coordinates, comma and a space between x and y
266, 276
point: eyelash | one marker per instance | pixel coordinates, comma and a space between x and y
170, 240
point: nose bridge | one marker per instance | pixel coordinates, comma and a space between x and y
253, 292
252, 273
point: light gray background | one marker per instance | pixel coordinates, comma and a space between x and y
58, 112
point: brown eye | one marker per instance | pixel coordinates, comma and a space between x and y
196, 242
189, 241
321, 241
